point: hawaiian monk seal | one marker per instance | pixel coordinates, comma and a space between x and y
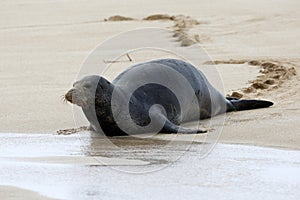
155, 96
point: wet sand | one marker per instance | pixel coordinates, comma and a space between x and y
13, 193
228, 172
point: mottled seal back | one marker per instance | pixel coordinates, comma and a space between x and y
155, 96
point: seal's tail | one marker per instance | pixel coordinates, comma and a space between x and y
248, 104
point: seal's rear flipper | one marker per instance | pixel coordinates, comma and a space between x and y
248, 104
231, 98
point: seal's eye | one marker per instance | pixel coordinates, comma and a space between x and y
87, 86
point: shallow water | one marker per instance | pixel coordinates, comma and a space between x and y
81, 167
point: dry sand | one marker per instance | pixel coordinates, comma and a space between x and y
43, 45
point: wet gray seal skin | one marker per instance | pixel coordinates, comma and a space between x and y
94, 93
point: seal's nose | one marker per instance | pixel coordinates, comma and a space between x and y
69, 95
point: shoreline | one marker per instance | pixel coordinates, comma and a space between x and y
226, 169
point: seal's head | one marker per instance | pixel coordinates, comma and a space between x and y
87, 89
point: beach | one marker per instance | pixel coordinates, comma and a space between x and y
253, 46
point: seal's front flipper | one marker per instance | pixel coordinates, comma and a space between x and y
170, 127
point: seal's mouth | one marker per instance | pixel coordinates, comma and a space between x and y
73, 97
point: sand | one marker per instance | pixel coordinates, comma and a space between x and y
41, 55
43, 45
10, 192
